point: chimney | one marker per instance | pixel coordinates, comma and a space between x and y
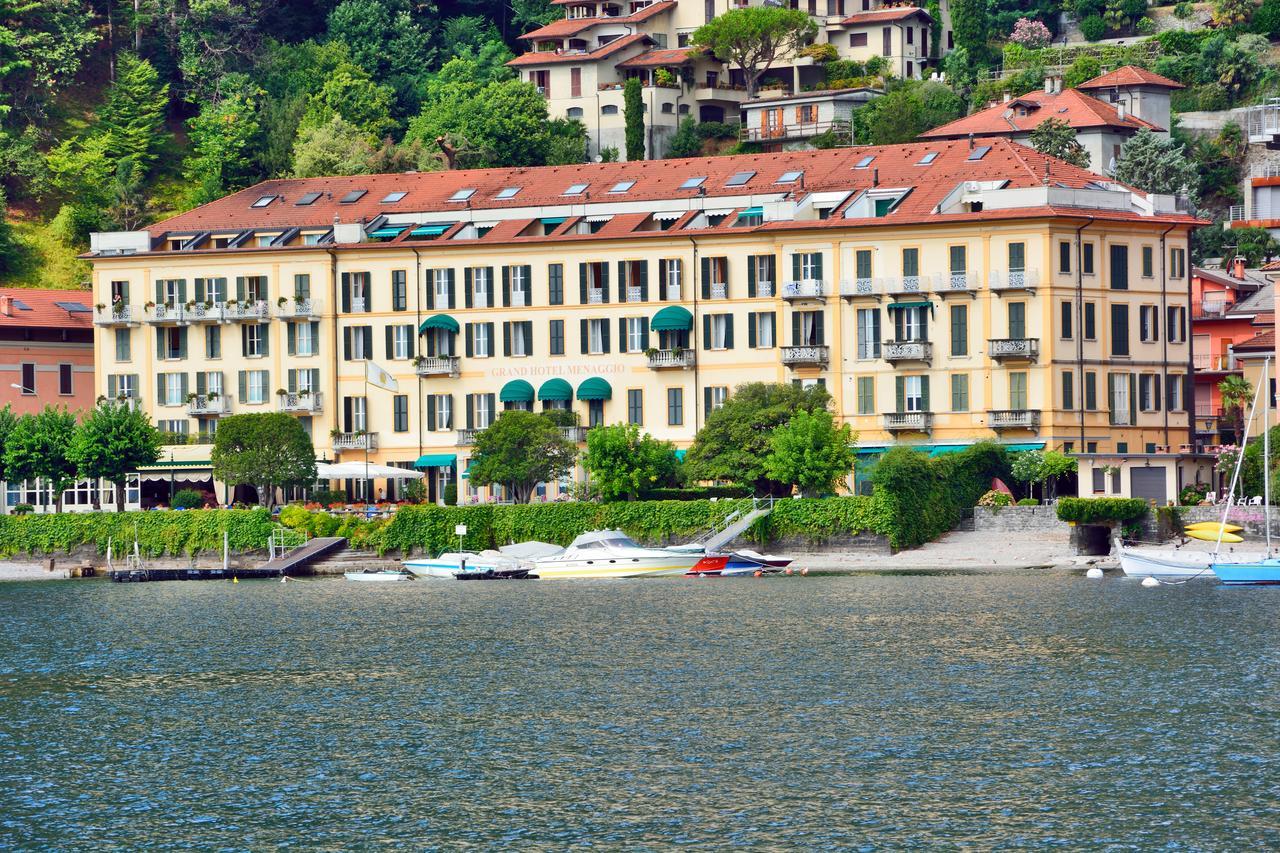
971, 142
1120, 110
875, 177
1237, 271
6, 306
1007, 97
1048, 85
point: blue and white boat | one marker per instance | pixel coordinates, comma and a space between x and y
1259, 573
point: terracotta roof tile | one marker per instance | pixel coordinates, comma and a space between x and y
543, 187
1258, 343
44, 311
1130, 75
1270, 266
658, 58
566, 27
881, 15
551, 57
1075, 108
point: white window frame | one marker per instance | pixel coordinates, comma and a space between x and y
400, 341
256, 386
719, 393
675, 277
719, 325
481, 346
304, 342
443, 405
519, 287
635, 334
765, 330
595, 336
519, 343
173, 389
255, 334
484, 415
913, 393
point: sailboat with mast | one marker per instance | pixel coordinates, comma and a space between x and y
1181, 563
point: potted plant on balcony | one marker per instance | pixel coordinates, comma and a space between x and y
651, 352
677, 351
150, 306
191, 305
280, 392
208, 305
192, 397
664, 77
212, 395
419, 360
282, 301
232, 303
100, 307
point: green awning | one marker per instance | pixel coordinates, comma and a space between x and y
436, 460
428, 230
1030, 445
673, 318
871, 451
466, 474
923, 303
555, 389
516, 391
941, 449
388, 232
595, 388
751, 211
439, 321
553, 220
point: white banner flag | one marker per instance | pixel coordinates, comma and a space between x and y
379, 377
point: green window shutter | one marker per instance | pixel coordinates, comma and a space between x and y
469, 333
182, 384
751, 325
728, 331
642, 272
582, 284
795, 329
959, 330
430, 285
1133, 398
819, 328
160, 389
390, 336
706, 278
604, 282
527, 271
506, 339
706, 331
182, 342
159, 292
900, 392
622, 334
199, 290
182, 291
243, 381
958, 259
111, 386
662, 280
586, 337
644, 332
293, 381
506, 287
924, 394
266, 340
817, 265
431, 412
863, 263
706, 402
604, 333
244, 341
240, 288
751, 277
451, 277
466, 286
1017, 319
1018, 257
795, 267
292, 343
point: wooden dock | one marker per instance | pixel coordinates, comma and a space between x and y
294, 562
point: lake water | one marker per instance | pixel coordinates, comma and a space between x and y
872, 711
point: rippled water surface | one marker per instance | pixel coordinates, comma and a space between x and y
876, 711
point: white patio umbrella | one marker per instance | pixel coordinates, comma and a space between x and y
359, 471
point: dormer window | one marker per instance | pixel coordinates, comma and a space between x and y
622, 186
462, 194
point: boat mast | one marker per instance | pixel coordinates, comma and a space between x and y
1235, 475
1266, 450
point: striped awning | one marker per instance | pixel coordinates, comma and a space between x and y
390, 231
430, 230
600, 217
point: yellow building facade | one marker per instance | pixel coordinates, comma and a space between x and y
940, 299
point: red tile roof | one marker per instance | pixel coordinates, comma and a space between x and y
45, 313
546, 57
1258, 343
1075, 108
659, 58
1270, 266
1130, 75
566, 27
881, 15
427, 193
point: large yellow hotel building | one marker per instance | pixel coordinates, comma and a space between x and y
945, 292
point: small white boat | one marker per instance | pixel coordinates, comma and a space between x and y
612, 554
1175, 562
450, 563
379, 576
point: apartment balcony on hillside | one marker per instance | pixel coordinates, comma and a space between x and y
467, 437
897, 351
908, 421
208, 405
436, 365
1001, 280
808, 288
1210, 309
1204, 362
1012, 419
806, 356
204, 312
907, 285
302, 402
661, 359
299, 309
718, 92
1014, 349
249, 311
791, 132
119, 316
576, 434
355, 441
165, 314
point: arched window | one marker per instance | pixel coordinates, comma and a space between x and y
609, 110
574, 112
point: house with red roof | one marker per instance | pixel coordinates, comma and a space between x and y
46, 349
1104, 113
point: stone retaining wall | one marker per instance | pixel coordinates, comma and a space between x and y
1017, 518
1251, 518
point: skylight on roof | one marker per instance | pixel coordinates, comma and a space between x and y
979, 152
20, 305
864, 162
392, 198
263, 201
306, 199
576, 189
622, 186
790, 177
73, 307
693, 183
352, 197
739, 178
508, 192
462, 194
928, 158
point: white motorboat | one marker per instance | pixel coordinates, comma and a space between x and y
379, 576
612, 554
451, 563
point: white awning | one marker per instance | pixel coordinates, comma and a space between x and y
359, 471
602, 217
667, 215
179, 476
721, 212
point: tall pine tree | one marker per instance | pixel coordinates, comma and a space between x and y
633, 113
133, 116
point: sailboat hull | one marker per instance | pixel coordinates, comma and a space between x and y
1260, 573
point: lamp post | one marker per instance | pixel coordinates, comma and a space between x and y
23, 388
171, 479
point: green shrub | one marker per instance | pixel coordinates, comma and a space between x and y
1093, 28
451, 494
1193, 495
326, 497
995, 499
1211, 97
696, 493
159, 533
1184, 11
1101, 510
188, 499
1028, 502
23, 509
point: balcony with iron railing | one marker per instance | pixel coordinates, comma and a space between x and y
355, 441
955, 282
165, 314
1210, 309
798, 130
908, 421
806, 356
999, 280
208, 405
852, 288
467, 437
1014, 349
764, 289
907, 285
299, 309
595, 296
249, 311
436, 365
1002, 419
896, 351
1235, 213
1204, 362
133, 404
806, 288
113, 315
204, 312
634, 294
673, 293
719, 290
576, 434
661, 359
302, 402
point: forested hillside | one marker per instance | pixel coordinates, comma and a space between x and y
115, 114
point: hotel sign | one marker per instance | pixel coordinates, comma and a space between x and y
533, 371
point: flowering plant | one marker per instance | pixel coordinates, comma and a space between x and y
1030, 34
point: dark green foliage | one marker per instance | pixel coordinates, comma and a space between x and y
188, 499
1028, 502
158, 533
267, 451
908, 109
1093, 28
930, 495
1055, 138
519, 451
328, 497
1266, 20
112, 442
39, 446
633, 115
1101, 510
754, 37
133, 116
695, 493
971, 26
623, 462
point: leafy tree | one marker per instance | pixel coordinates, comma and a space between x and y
468, 32
42, 44
111, 443
623, 462
1055, 138
222, 142
567, 143
1231, 12
336, 148
809, 452
970, 28
1093, 28
909, 109
38, 446
132, 119
959, 70
217, 43
1266, 20
1236, 394
494, 124
1036, 467
350, 93
633, 114
1156, 165
386, 40
267, 451
1084, 68
1255, 245
734, 442
129, 208
7, 422
755, 37
685, 142
519, 451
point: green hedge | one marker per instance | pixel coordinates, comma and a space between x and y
696, 493
1101, 510
158, 533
